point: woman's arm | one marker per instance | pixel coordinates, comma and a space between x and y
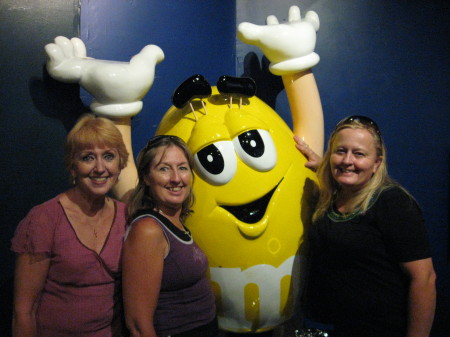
142, 266
30, 274
422, 296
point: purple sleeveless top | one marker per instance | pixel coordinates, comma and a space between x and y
186, 300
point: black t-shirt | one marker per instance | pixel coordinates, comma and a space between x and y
355, 280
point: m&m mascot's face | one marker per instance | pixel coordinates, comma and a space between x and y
252, 198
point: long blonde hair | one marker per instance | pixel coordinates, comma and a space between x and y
141, 198
329, 187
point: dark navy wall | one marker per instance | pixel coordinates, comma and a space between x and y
32, 131
384, 58
196, 37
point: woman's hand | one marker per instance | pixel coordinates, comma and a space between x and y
313, 159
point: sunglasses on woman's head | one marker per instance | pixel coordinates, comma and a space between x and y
156, 139
366, 121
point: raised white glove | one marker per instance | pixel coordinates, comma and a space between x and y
288, 46
117, 87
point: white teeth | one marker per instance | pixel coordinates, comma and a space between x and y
175, 189
99, 179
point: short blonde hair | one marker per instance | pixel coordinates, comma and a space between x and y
90, 131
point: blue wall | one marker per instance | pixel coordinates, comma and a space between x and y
196, 37
384, 58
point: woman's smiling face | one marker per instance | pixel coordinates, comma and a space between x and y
96, 170
354, 158
169, 177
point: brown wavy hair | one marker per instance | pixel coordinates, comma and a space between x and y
141, 198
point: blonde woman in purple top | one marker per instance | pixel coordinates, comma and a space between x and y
67, 276
165, 288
